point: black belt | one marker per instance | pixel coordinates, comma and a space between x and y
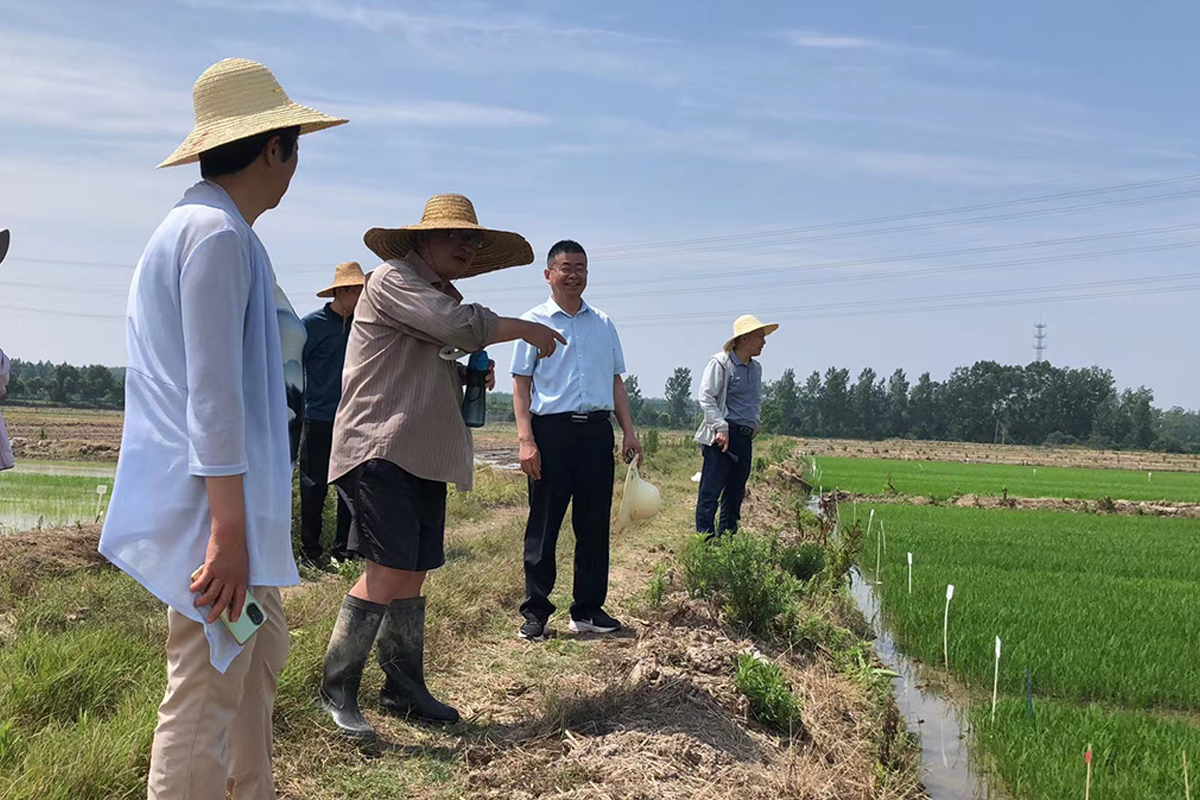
743, 430
570, 416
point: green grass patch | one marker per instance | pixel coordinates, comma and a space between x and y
771, 700
943, 479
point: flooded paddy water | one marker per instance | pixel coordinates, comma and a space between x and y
48, 494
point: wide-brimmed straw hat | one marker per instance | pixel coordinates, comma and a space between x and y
748, 323
348, 273
238, 98
4, 240
453, 212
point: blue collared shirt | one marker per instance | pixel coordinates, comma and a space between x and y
578, 378
743, 399
324, 355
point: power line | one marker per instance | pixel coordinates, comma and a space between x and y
901, 217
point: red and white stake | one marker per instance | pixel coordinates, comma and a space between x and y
1087, 759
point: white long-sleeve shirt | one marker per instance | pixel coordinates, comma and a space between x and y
204, 396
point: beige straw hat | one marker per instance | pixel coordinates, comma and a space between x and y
348, 273
4, 240
749, 323
453, 212
237, 98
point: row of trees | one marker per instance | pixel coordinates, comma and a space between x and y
985, 402
92, 386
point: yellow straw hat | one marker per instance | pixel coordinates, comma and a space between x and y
238, 98
749, 323
348, 273
453, 212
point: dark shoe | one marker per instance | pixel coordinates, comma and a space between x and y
535, 630
402, 656
596, 622
353, 634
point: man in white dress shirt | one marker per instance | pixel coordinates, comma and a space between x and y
563, 406
204, 477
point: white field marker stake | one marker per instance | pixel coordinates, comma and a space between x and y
996, 679
910, 573
946, 627
878, 560
1187, 785
101, 490
1148, 476
883, 534
870, 522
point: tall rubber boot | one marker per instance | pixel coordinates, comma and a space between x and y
349, 647
402, 656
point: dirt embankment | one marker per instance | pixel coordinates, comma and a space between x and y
1133, 508
63, 433
967, 452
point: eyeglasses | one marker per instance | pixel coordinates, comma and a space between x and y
572, 271
471, 239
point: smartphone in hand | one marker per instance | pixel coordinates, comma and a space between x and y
253, 616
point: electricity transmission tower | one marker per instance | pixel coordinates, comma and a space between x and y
1039, 340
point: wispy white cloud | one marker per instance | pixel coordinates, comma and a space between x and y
442, 114
87, 86
824, 40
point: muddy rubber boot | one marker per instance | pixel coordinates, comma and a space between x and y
349, 646
402, 656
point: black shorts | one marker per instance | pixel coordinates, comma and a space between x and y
399, 520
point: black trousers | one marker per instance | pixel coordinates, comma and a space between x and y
723, 480
315, 444
577, 468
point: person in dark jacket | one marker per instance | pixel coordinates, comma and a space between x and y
324, 352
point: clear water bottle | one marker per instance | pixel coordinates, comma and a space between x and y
474, 407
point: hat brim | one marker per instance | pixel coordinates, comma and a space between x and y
767, 329
203, 139
500, 250
332, 290
5, 238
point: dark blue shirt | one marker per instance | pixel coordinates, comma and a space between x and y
324, 353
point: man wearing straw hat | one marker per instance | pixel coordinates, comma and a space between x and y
204, 478
328, 330
399, 438
731, 399
563, 408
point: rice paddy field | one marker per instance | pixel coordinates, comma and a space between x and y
52, 494
1103, 611
942, 479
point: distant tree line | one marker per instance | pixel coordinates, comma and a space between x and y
93, 386
985, 402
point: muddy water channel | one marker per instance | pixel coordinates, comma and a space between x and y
946, 766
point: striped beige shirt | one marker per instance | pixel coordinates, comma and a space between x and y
400, 400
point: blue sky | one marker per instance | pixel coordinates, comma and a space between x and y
705, 154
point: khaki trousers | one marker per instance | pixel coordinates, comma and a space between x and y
215, 729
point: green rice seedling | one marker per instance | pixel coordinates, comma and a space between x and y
771, 699
944, 478
1135, 753
1096, 606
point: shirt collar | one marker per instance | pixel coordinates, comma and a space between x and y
212, 193
554, 308
427, 274
733, 357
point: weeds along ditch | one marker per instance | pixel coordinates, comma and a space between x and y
1099, 611
943, 479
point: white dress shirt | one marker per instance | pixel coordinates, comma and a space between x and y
204, 396
578, 378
